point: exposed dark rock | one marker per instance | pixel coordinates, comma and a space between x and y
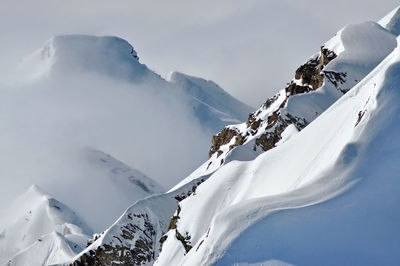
185, 240
142, 250
222, 138
184, 195
335, 78
162, 239
174, 219
309, 77
359, 118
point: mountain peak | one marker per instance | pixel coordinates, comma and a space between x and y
392, 21
63, 54
85, 43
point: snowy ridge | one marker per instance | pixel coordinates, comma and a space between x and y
326, 160
311, 178
137, 236
106, 55
210, 93
342, 62
392, 21
114, 57
218, 209
127, 179
35, 220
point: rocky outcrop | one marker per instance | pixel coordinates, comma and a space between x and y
224, 137
267, 129
142, 250
138, 235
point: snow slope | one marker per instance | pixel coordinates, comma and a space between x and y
210, 94
37, 229
305, 169
355, 51
327, 196
392, 21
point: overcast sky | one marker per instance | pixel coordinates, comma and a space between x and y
251, 48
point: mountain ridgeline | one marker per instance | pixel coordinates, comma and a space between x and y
207, 217
309, 178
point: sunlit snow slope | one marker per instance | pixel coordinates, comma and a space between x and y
350, 55
329, 195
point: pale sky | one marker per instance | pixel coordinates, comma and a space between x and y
250, 48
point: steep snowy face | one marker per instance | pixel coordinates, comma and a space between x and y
341, 63
36, 219
392, 21
329, 191
218, 101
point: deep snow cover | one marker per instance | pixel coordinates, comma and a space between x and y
359, 48
326, 196
310, 179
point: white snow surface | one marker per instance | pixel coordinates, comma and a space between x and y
39, 230
392, 21
359, 48
209, 93
328, 195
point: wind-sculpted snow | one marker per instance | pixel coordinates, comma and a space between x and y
309, 179
392, 21
341, 63
326, 196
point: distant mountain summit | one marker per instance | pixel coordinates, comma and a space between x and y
113, 57
87, 121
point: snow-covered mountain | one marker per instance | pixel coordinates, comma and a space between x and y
326, 196
114, 57
310, 178
341, 63
37, 229
84, 119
